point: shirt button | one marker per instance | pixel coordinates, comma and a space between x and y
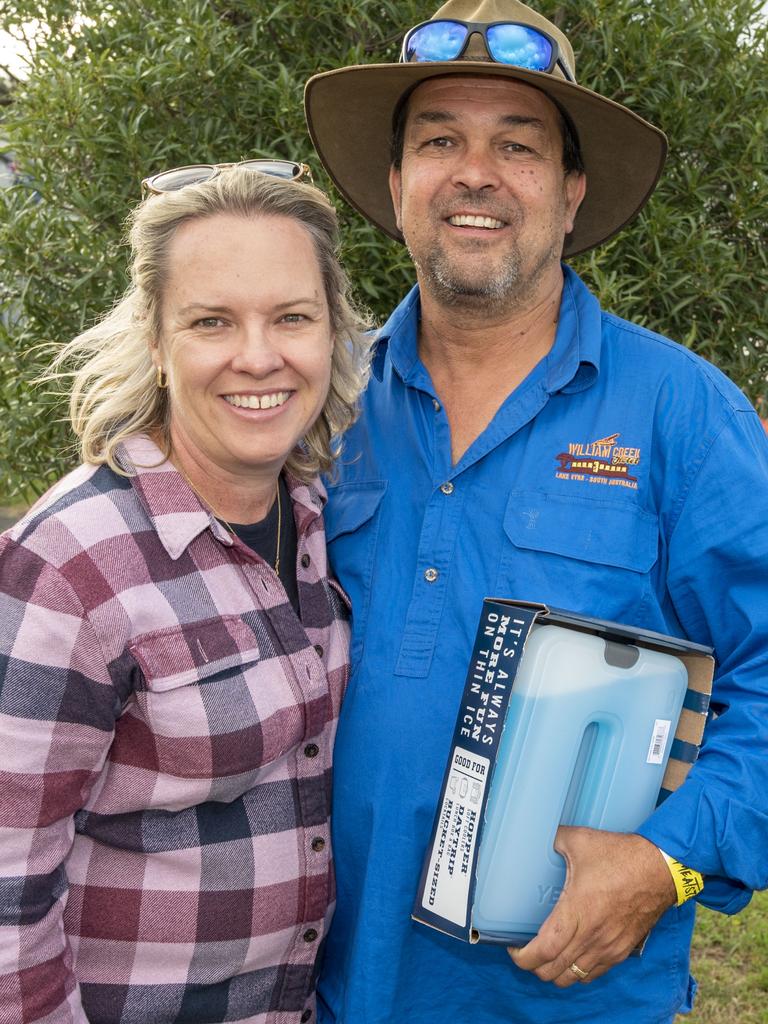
310, 935
431, 575
436, 404
319, 650
447, 487
306, 1016
318, 844
311, 750
305, 560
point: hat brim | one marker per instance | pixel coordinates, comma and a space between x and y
349, 116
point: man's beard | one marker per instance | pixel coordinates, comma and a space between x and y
496, 286
455, 286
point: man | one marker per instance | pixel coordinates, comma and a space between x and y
457, 485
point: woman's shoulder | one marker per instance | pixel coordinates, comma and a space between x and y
78, 510
77, 502
92, 503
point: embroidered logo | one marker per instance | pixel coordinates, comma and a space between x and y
599, 462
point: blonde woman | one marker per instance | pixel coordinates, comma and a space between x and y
173, 650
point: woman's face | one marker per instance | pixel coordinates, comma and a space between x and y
245, 341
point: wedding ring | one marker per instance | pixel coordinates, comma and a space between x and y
581, 975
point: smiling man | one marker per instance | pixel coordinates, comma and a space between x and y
481, 194
462, 480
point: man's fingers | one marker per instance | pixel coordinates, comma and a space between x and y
557, 934
570, 977
560, 969
616, 887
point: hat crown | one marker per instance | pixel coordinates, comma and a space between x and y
488, 11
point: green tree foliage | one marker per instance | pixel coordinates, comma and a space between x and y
117, 91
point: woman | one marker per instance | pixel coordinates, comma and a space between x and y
173, 652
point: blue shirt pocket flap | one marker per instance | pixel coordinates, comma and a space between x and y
350, 506
589, 529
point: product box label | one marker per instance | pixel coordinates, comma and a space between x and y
448, 876
453, 851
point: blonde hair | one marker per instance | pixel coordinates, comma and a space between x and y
114, 391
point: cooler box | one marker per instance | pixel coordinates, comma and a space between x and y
586, 742
566, 720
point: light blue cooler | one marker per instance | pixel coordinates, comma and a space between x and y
586, 742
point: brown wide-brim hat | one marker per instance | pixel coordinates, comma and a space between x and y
350, 119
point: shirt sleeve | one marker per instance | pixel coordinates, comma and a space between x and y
717, 822
57, 714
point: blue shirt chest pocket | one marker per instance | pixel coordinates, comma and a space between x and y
588, 555
351, 532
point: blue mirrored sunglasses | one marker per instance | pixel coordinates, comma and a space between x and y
507, 42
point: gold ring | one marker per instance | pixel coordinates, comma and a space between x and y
581, 975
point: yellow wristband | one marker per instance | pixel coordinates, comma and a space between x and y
688, 883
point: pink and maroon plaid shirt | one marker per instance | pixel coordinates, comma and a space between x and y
166, 725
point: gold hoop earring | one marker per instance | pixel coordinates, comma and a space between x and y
162, 378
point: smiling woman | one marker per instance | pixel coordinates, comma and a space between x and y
245, 345
175, 652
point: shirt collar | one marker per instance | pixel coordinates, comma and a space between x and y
572, 364
177, 513
399, 338
308, 500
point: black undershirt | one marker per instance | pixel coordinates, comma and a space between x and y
262, 537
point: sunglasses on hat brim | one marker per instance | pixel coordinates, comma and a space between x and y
507, 42
194, 174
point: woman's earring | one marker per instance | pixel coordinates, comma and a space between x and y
162, 378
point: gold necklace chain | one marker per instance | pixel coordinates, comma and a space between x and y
279, 528
229, 526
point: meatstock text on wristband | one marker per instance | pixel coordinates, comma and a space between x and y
688, 883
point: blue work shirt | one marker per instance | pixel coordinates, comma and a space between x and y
677, 543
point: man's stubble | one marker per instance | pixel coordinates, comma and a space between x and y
504, 285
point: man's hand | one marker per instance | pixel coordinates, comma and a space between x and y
616, 888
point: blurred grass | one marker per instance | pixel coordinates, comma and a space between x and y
730, 963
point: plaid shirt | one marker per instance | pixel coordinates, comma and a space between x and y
166, 725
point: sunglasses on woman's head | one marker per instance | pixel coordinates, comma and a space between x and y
507, 42
194, 174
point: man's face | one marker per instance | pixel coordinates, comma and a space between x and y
481, 196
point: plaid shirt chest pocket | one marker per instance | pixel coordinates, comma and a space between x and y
214, 708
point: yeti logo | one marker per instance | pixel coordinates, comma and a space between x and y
549, 893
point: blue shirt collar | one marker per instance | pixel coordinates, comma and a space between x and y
572, 364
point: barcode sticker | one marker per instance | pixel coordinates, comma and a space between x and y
658, 745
